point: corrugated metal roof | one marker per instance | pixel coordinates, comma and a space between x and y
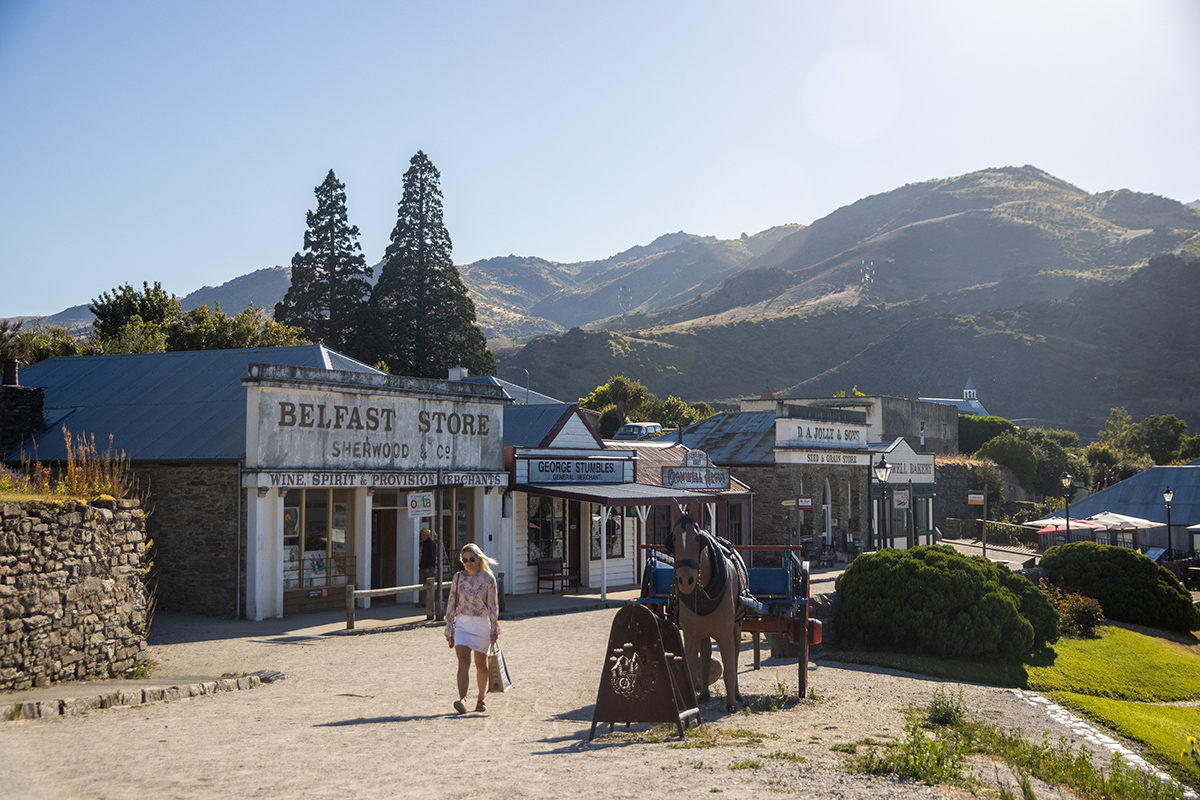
652, 456
182, 406
531, 426
1141, 496
743, 437
517, 393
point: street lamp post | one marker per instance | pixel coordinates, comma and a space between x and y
1168, 495
526, 380
1066, 482
883, 471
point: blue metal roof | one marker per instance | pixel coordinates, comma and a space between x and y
1142, 496
535, 425
518, 393
743, 437
182, 406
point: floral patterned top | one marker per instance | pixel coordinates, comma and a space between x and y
473, 597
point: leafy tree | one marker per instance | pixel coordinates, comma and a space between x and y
330, 278
673, 412
1190, 449
34, 343
620, 392
1159, 436
8, 339
1115, 432
422, 320
135, 336
1110, 465
1011, 451
973, 431
152, 307
1053, 460
203, 328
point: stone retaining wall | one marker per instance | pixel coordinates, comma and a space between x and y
71, 591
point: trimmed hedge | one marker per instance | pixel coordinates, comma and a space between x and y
933, 600
1128, 586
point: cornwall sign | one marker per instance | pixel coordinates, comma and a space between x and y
696, 472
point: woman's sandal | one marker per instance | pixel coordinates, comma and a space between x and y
480, 706
460, 706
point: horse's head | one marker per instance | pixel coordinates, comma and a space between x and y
686, 547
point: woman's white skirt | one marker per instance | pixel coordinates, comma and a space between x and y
473, 632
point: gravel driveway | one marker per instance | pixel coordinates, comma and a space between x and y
370, 716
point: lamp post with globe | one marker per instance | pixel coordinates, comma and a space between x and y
1168, 496
883, 471
1066, 483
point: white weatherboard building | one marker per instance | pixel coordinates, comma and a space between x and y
331, 462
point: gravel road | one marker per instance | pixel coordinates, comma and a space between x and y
370, 716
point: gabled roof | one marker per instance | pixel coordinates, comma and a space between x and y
182, 406
743, 437
1141, 496
538, 425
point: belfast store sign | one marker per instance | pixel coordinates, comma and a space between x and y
349, 431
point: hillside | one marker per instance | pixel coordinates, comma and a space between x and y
1037, 290
1010, 276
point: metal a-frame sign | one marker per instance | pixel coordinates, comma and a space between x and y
645, 676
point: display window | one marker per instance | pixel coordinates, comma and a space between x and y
614, 536
318, 538
547, 527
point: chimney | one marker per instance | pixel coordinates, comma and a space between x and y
20, 410
459, 373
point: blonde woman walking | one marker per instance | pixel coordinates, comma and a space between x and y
472, 621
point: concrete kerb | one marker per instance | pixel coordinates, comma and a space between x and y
33, 704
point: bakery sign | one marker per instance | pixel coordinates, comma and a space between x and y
696, 472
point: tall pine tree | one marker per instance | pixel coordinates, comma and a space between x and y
330, 279
423, 319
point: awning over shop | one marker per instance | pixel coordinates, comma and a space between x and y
619, 494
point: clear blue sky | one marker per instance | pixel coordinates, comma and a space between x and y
181, 141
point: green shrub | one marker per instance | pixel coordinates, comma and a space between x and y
935, 601
1078, 615
1128, 586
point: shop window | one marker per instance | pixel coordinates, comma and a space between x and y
660, 521
546, 526
735, 524
386, 498
614, 535
318, 538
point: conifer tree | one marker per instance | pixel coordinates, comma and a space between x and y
330, 279
422, 318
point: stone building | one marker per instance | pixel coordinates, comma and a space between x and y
274, 476
810, 464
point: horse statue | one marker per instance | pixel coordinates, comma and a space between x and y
710, 579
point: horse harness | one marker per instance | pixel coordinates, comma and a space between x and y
707, 597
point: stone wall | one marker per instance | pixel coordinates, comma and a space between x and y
193, 512
71, 591
775, 485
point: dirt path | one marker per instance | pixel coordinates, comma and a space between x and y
370, 716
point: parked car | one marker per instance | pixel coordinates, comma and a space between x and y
636, 431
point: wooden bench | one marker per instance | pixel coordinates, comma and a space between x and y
550, 570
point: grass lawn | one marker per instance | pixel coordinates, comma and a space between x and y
1119, 679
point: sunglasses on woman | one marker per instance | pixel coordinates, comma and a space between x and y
469, 559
